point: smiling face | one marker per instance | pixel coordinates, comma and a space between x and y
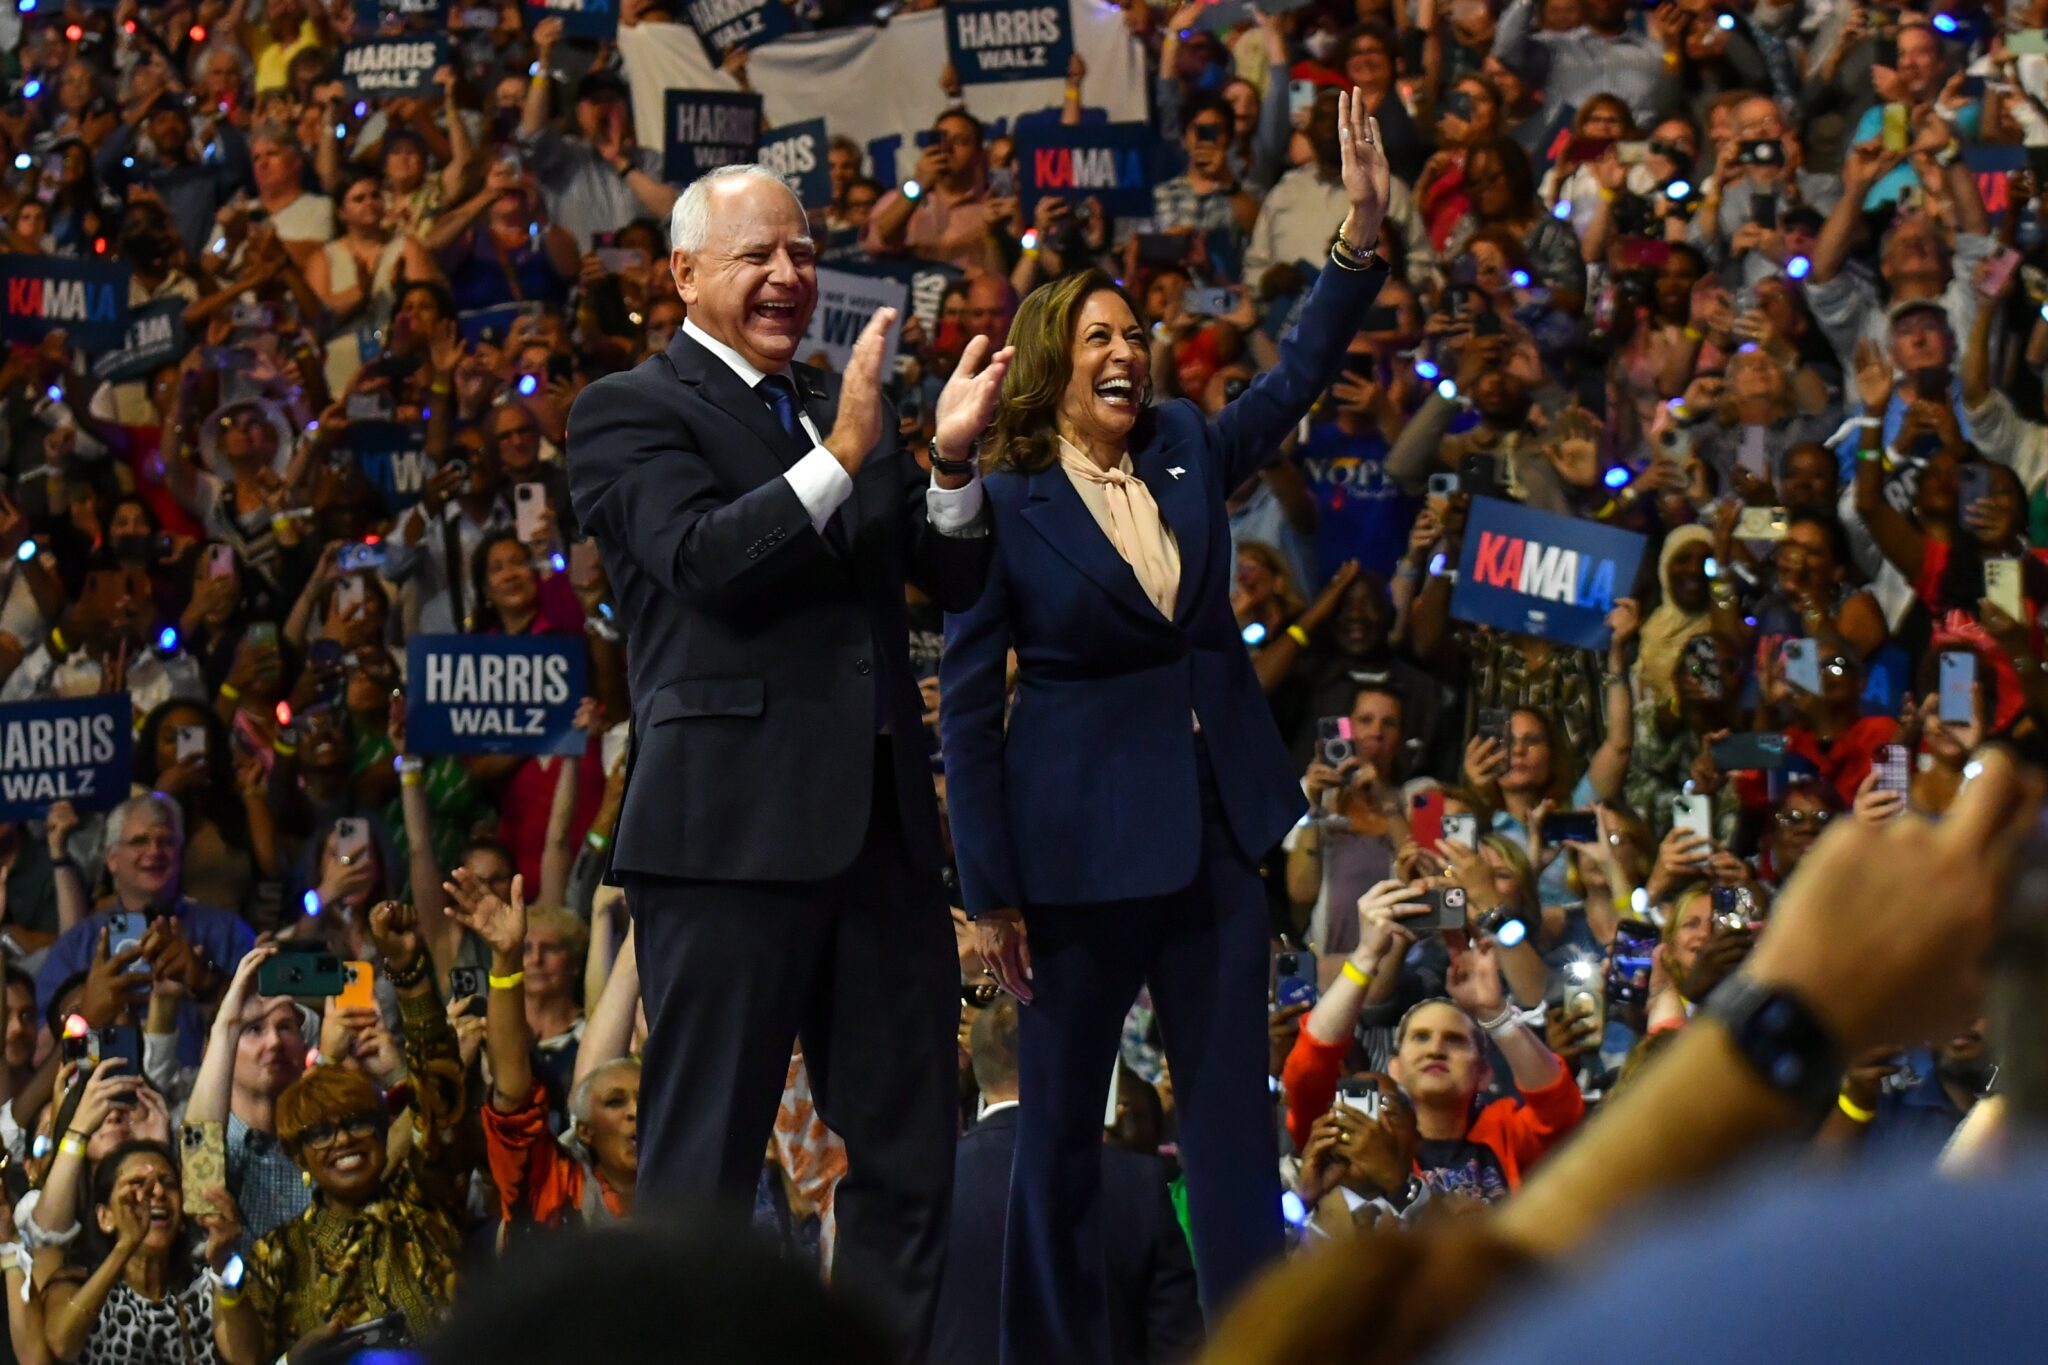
1438, 1061
148, 1177
145, 857
1695, 924
1110, 363
1811, 480
1690, 591
509, 578
1920, 341
754, 281
345, 1157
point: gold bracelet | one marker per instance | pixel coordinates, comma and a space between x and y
1342, 261
506, 983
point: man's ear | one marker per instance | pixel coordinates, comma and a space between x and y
681, 264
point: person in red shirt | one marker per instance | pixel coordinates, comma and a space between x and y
540, 1181
1441, 1065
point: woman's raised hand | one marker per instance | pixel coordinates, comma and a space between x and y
1367, 179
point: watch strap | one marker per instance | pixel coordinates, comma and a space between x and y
950, 468
1780, 1036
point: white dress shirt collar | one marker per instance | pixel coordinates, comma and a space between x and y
734, 361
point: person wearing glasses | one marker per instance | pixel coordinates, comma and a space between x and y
145, 862
381, 1236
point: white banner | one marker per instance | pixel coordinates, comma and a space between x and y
870, 82
845, 303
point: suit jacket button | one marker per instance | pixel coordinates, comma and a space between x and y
863, 667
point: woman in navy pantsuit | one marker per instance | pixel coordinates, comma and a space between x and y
1109, 835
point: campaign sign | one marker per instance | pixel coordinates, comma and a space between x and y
87, 300
393, 66
1539, 574
490, 326
845, 303
78, 751
725, 24
156, 336
1992, 165
494, 694
393, 457
1009, 40
707, 129
796, 152
1110, 161
580, 18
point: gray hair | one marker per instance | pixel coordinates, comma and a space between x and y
690, 220
155, 807
580, 1095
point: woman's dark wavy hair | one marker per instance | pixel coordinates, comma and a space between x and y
1023, 437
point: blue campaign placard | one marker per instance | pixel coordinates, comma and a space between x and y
1108, 161
393, 457
1539, 574
156, 336
79, 751
377, 67
725, 24
494, 694
87, 300
706, 129
597, 19
1009, 40
796, 152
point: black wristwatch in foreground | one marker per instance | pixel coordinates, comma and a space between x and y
952, 469
1781, 1037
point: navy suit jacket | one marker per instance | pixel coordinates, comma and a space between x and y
1092, 794
1154, 1316
756, 649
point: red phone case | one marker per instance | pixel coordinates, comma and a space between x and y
1426, 820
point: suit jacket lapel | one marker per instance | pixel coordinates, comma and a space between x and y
1056, 511
728, 393
1184, 506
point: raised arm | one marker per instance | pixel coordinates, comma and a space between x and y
1610, 760
608, 1029
1250, 428
507, 1037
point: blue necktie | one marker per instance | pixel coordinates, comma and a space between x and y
781, 396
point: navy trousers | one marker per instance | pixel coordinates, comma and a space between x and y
1203, 949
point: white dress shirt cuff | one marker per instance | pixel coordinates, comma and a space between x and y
821, 483
955, 511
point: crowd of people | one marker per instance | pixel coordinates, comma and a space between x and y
1758, 290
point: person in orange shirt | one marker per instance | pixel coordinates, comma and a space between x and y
540, 1181
1465, 1149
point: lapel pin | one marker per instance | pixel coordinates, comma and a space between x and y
1177, 471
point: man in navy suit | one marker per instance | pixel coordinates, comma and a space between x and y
779, 836
1154, 1316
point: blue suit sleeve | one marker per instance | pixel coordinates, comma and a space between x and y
1251, 427
973, 692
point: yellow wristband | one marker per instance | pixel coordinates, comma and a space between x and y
1298, 635
57, 639
507, 983
1854, 1110
231, 692
1353, 973
284, 748
410, 779
72, 1146
1694, 334
226, 1297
